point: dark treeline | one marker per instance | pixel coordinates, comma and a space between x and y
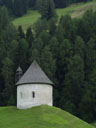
64, 3
19, 7
66, 52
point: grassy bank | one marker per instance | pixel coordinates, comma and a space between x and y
39, 117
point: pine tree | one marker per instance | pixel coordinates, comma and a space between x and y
7, 74
90, 59
22, 53
63, 57
34, 55
48, 62
14, 53
29, 37
4, 17
51, 10
79, 47
46, 8
54, 46
66, 24
52, 26
89, 99
74, 80
20, 32
38, 44
45, 37
40, 26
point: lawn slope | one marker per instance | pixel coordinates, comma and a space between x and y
39, 117
75, 10
27, 20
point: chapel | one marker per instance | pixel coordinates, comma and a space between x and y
34, 88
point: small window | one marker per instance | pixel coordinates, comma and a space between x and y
33, 94
21, 94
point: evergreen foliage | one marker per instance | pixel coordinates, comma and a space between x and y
46, 8
19, 7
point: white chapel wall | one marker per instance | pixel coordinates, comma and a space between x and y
43, 95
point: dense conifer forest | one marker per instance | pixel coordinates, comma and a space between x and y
66, 51
18, 8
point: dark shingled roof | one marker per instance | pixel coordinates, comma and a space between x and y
34, 74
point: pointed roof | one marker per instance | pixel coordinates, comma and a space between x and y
19, 69
34, 74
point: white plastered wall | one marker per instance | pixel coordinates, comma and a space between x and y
43, 95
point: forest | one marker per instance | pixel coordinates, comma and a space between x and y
18, 8
66, 51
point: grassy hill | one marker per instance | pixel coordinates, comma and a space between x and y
39, 117
75, 10
27, 20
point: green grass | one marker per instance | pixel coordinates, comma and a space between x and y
39, 117
27, 20
75, 10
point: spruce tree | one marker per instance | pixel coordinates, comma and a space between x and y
20, 32
89, 99
4, 17
48, 62
22, 53
46, 8
29, 37
7, 74
90, 60
79, 47
63, 57
74, 80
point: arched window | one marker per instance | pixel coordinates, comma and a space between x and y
33, 94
